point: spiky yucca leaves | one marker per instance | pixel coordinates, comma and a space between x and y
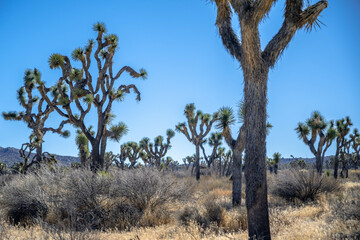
256, 62
342, 130
36, 112
85, 90
315, 127
157, 150
117, 131
196, 129
83, 145
276, 160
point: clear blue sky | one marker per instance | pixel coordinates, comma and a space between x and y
178, 44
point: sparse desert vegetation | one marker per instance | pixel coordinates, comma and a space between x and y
148, 204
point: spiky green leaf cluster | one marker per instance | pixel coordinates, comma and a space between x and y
88, 98
215, 139
77, 54
99, 27
170, 133
64, 100
21, 96
144, 142
76, 74
31, 78
56, 61
65, 133
143, 73
316, 121
55, 90
276, 157
158, 140
302, 130
118, 131
12, 115
226, 118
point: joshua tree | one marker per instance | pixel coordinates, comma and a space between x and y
227, 159
342, 130
109, 159
214, 142
134, 152
85, 92
225, 120
317, 126
121, 158
345, 156
37, 111
157, 150
255, 64
356, 147
276, 160
188, 160
196, 135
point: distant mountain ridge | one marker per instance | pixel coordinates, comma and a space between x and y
11, 155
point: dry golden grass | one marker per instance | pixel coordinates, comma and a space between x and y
313, 220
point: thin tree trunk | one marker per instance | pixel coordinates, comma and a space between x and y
197, 162
97, 162
237, 177
336, 163
319, 163
39, 152
255, 149
275, 168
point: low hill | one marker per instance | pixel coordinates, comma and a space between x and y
11, 155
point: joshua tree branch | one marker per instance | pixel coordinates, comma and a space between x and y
295, 19
261, 8
227, 34
127, 88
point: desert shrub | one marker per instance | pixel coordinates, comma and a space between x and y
303, 185
346, 205
23, 200
191, 214
214, 213
148, 188
123, 216
84, 197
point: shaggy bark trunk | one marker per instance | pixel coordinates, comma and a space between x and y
83, 157
39, 153
236, 176
276, 169
97, 161
255, 149
336, 163
319, 163
197, 163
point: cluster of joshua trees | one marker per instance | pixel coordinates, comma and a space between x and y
76, 93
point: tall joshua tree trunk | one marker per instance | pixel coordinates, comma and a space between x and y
197, 162
237, 178
255, 146
255, 64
